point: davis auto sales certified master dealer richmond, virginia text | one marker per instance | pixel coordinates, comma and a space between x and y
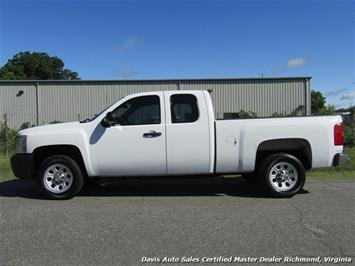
236, 259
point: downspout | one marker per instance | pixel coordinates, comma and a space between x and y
37, 116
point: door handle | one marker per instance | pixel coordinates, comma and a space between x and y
151, 134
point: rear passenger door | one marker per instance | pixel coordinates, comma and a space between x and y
187, 132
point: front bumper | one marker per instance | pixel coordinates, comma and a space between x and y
22, 165
341, 158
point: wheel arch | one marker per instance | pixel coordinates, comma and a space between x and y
300, 148
44, 152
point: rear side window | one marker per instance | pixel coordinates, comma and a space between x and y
183, 108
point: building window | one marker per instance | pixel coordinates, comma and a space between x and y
143, 110
183, 108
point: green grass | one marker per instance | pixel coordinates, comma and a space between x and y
5, 168
344, 171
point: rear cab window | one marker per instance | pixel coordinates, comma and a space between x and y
183, 108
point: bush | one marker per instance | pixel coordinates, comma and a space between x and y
349, 135
327, 110
276, 114
7, 139
25, 125
244, 114
299, 111
11, 143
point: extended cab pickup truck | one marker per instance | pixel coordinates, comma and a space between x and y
174, 133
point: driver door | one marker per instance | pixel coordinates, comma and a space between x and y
135, 145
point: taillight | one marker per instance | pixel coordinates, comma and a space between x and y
339, 134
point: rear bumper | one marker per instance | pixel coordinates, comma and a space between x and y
23, 165
341, 158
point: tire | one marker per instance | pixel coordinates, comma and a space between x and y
282, 175
60, 177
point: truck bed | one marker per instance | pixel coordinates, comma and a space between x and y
237, 140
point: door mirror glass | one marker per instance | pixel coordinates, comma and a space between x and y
111, 116
109, 120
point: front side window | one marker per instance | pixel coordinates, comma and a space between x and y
143, 110
183, 108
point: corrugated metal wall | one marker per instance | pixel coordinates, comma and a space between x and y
75, 100
79, 101
18, 109
264, 97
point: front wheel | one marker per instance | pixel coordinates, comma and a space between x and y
60, 177
282, 175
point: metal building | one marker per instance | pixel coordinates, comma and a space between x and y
41, 102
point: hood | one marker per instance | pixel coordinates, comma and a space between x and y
51, 128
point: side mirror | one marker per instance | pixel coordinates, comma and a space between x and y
109, 120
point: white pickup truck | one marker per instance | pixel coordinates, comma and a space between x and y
174, 133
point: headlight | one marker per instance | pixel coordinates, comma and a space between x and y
21, 144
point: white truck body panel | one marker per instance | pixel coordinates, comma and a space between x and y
188, 144
71, 133
238, 140
205, 146
113, 148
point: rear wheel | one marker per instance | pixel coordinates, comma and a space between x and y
60, 177
282, 175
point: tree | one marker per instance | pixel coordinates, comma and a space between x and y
36, 66
317, 101
299, 111
327, 110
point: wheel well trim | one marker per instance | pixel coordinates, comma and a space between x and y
298, 147
61, 149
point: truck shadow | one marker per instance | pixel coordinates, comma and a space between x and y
177, 187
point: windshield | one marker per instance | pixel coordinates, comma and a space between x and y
98, 114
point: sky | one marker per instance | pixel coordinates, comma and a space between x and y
152, 39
